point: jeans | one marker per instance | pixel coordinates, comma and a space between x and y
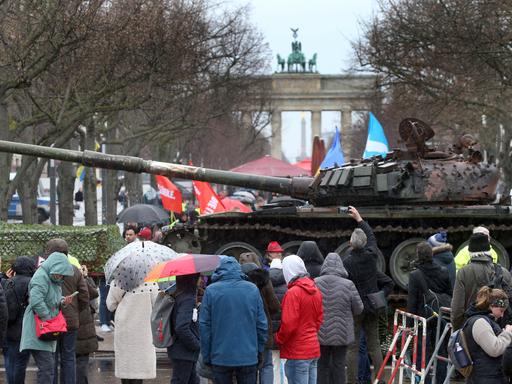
331, 365
15, 362
82, 366
301, 371
370, 324
267, 371
105, 314
66, 345
45, 365
244, 374
364, 374
184, 372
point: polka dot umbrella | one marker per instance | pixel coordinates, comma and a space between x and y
128, 267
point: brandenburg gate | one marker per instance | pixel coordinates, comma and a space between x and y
303, 89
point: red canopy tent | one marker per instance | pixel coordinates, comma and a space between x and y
270, 166
305, 164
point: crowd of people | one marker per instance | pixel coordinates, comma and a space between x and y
295, 319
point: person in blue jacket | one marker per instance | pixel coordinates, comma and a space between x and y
233, 325
185, 349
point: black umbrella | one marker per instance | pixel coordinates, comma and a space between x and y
143, 214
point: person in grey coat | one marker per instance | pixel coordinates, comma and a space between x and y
341, 302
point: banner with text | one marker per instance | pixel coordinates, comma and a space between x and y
209, 202
169, 193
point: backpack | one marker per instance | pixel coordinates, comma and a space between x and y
161, 320
497, 280
458, 351
16, 305
433, 301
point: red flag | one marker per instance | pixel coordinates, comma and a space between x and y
169, 193
209, 202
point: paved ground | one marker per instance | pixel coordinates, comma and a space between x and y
101, 369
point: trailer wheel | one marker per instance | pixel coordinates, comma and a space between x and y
236, 248
344, 249
402, 261
503, 257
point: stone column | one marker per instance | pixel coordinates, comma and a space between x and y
316, 123
346, 131
275, 149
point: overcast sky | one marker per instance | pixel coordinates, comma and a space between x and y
326, 27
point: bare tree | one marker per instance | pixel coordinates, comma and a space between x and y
448, 61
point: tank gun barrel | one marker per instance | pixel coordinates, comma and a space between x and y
295, 187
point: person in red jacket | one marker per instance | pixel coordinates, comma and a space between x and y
302, 316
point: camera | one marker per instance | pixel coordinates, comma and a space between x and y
342, 209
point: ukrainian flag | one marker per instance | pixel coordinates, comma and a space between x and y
80, 171
335, 155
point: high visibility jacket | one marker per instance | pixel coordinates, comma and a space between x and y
462, 258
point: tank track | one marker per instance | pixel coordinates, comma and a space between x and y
347, 232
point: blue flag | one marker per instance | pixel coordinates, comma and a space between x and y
335, 154
377, 144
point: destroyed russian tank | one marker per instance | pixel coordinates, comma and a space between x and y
406, 196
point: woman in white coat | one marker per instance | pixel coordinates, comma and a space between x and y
135, 355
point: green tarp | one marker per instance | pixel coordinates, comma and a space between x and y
92, 245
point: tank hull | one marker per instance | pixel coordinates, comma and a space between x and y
398, 230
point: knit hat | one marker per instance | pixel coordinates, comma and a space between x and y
481, 229
274, 246
479, 242
438, 239
145, 233
293, 265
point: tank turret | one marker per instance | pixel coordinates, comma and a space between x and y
417, 174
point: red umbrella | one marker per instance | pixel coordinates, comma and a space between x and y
235, 205
186, 264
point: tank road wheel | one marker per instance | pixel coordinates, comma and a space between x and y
183, 242
344, 249
402, 261
291, 247
236, 248
503, 257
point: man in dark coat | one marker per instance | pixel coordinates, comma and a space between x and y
428, 276
4, 316
479, 272
86, 339
16, 295
312, 257
442, 253
361, 265
184, 351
